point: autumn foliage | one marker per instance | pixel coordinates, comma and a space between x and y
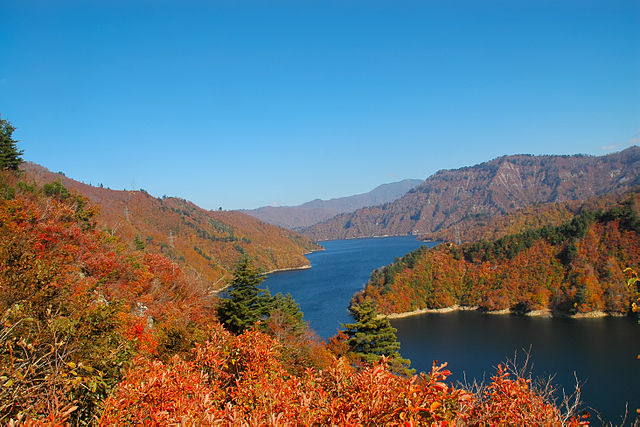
240, 380
575, 267
76, 305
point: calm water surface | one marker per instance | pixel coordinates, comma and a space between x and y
324, 290
601, 352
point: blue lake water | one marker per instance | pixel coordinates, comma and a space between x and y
601, 352
324, 290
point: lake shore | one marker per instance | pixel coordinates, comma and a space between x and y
429, 310
544, 313
277, 270
302, 267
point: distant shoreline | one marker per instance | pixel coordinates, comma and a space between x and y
544, 313
381, 236
277, 270
314, 250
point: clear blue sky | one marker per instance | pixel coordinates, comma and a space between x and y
242, 104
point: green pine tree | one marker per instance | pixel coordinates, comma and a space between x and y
372, 336
139, 243
288, 313
247, 303
9, 153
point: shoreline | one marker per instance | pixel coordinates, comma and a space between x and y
381, 236
449, 309
277, 270
542, 313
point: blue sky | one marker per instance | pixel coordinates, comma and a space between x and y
242, 104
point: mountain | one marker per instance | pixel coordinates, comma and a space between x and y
315, 211
575, 267
492, 188
209, 243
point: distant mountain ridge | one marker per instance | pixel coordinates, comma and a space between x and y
207, 243
496, 187
315, 211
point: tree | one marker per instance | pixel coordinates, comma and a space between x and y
139, 243
9, 153
285, 317
372, 337
247, 303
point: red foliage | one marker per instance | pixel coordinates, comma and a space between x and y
241, 380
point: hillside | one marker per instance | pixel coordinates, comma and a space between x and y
493, 188
315, 211
487, 227
76, 305
575, 267
209, 243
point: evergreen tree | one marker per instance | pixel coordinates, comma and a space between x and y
247, 303
9, 153
139, 243
372, 336
285, 313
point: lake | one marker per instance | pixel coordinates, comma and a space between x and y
601, 352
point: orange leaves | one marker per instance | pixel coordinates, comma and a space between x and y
241, 380
159, 394
513, 402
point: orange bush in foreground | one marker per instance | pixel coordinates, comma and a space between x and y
239, 380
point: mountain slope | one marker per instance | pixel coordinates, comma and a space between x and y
487, 227
315, 211
496, 187
207, 242
575, 267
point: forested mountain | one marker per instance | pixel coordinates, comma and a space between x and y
493, 188
207, 242
575, 267
315, 211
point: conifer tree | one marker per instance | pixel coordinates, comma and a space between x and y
288, 314
9, 153
372, 337
247, 303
